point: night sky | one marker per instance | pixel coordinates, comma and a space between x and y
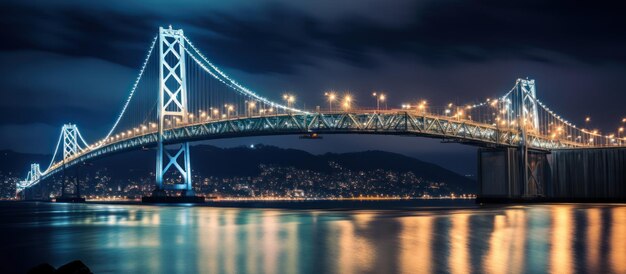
75, 61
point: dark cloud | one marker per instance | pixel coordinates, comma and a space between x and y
115, 37
58, 57
277, 37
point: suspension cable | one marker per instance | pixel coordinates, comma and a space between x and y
132, 92
55, 152
232, 83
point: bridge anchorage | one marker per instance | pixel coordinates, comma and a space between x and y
180, 96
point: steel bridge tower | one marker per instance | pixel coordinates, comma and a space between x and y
528, 108
524, 169
35, 172
172, 102
531, 162
70, 141
33, 176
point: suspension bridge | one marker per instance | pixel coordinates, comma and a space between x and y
180, 96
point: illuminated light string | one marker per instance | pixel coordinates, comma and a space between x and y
132, 92
488, 101
55, 153
83, 140
233, 85
239, 87
554, 115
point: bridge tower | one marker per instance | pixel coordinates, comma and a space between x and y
531, 162
33, 175
70, 141
35, 172
172, 103
522, 172
71, 147
527, 96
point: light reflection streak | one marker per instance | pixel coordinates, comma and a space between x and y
617, 253
291, 250
459, 256
353, 252
366, 252
229, 246
561, 238
415, 244
346, 246
594, 226
518, 234
253, 232
507, 243
208, 231
271, 246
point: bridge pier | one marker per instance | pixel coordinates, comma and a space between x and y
36, 193
589, 175
561, 175
71, 197
510, 174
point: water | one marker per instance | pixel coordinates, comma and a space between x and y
411, 237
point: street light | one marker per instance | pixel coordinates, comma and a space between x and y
331, 98
347, 102
250, 109
228, 108
422, 106
379, 97
459, 114
289, 99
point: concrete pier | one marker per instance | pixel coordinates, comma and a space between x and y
564, 175
598, 173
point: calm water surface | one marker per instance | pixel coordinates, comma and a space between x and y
407, 237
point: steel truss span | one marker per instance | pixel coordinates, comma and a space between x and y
196, 100
382, 123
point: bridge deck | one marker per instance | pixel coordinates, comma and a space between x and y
390, 122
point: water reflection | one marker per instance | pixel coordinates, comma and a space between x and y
123, 239
594, 226
618, 241
507, 243
415, 246
354, 252
561, 238
459, 260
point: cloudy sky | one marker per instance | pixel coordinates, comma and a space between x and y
76, 60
